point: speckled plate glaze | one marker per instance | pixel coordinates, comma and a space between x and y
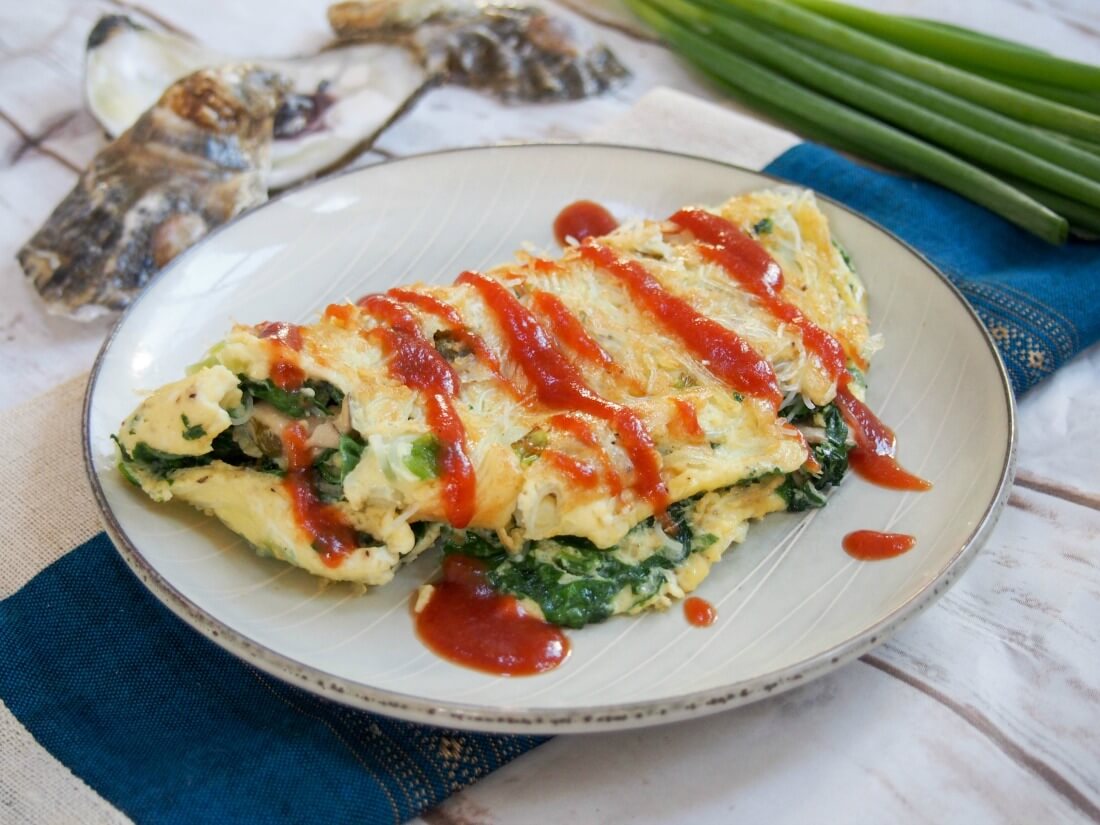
791, 604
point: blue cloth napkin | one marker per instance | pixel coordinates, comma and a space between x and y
169, 728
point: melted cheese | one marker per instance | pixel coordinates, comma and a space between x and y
533, 498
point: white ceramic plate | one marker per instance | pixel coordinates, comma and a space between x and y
791, 604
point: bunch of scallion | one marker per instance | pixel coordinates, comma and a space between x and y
1012, 128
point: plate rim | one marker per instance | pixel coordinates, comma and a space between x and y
547, 720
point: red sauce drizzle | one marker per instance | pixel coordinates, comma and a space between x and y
748, 263
416, 363
699, 612
687, 420
545, 266
720, 349
751, 266
344, 313
446, 312
283, 341
331, 536
869, 545
582, 431
468, 623
583, 219
289, 335
579, 472
568, 329
873, 455
559, 385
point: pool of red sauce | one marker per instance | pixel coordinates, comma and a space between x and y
581, 220
414, 361
330, 535
870, 545
558, 384
468, 623
699, 612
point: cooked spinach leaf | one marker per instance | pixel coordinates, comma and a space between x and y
334, 465
315, 397
574, 582
802, 490
762, 227
845, 256
191, 431
162, 464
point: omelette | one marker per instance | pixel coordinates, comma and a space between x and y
597, 428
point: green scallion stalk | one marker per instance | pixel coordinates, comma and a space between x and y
1005, 99
1027, 138
962, 48
1084, 221
904, 151
1079, 100
977, 144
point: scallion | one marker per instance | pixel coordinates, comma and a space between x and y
1005, 99
901, 149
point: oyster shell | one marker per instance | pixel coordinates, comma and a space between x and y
519, 53
387, 52
194, 160
212, 145
338, 100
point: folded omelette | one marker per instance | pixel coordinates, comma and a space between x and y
598, 428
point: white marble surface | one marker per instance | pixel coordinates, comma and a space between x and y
987, 708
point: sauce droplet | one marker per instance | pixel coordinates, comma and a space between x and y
468, 623
870, 545
583, 219
699, 612
330, 535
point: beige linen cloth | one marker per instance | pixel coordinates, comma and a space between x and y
46, 509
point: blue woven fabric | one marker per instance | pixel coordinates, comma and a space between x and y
1040, 303
169, 728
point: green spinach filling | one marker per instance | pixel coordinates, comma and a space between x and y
802, 490
574, 582
333, 465
314, 398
